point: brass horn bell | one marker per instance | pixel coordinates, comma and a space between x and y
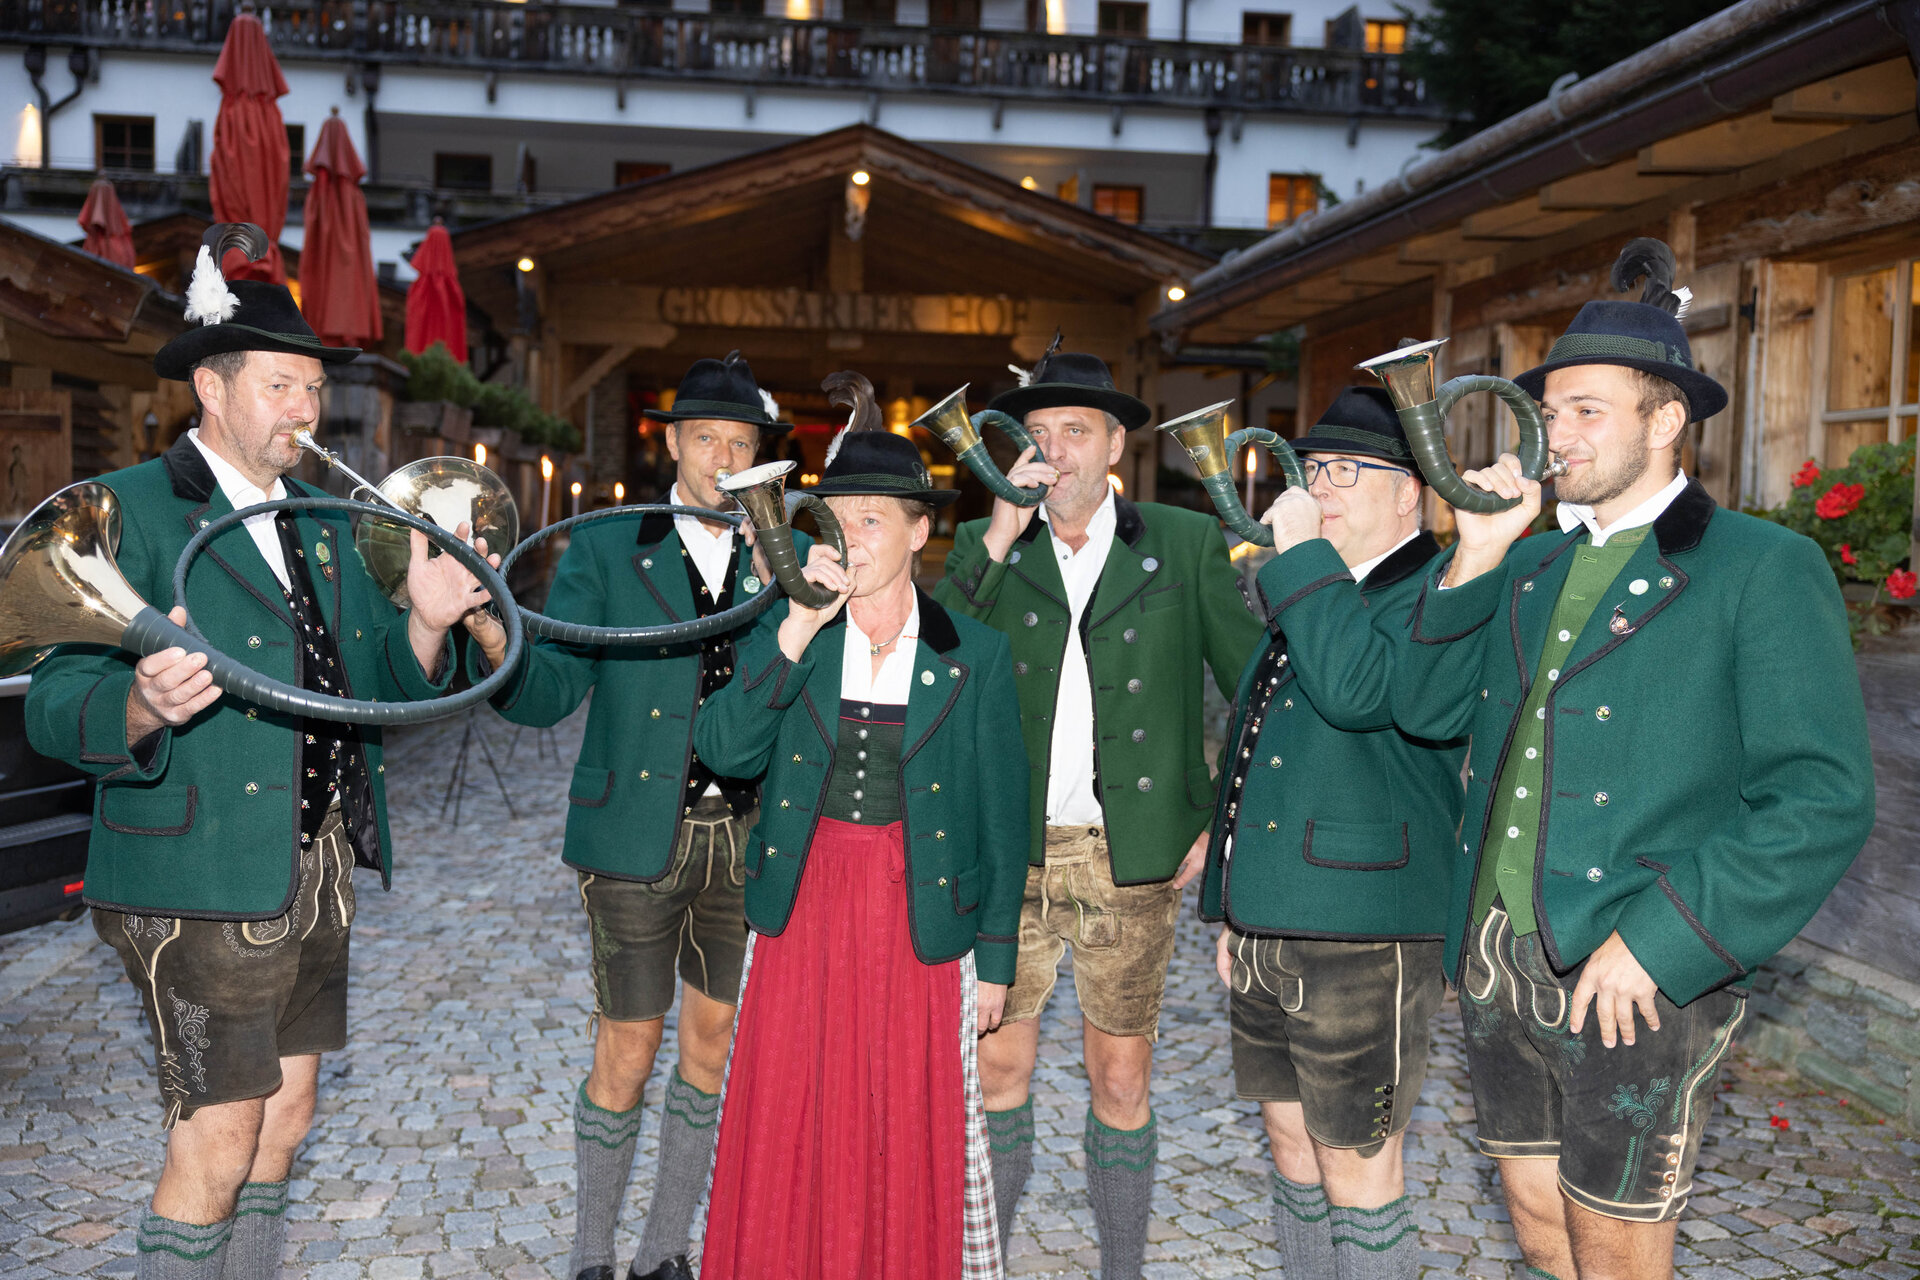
1203, 434
961, 433
58, 580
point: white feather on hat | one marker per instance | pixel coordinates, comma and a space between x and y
771, 405
209, 300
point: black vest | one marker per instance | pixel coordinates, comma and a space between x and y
716, 669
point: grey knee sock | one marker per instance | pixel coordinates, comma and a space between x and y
603, 1144
1120, 1184
1376, 1244
688, 1127
172, 1250
259, 1232
1010, 1138
1303, 1229
1521, 1271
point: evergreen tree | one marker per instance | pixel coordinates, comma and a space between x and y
1487, 59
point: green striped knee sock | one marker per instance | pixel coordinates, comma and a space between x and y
603, 1143
1010, 1140
1302, 1228
1375, 1244
1524, 1272
172, 1250
259, 1232
688, 1127
1120, 1166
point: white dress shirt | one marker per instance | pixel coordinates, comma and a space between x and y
895, 681
1365, 567
242, 492
1071, 799
1574, 513
710, 551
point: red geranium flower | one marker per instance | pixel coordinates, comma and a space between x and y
1902, 583
1839, 501
1807, 476
1846, 553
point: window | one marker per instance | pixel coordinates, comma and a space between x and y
1291, 195
296, 150
1122, 204
1873, 363
867, 10
1123, 18
456, 172
628, 172
123, 142
953, 13
1266, 28
1386, 36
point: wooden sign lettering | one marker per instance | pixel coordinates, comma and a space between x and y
844, 312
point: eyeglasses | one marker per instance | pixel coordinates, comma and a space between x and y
1342, 473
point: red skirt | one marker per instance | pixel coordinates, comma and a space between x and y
842, 1148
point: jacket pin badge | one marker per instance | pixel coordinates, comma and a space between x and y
1618, 623
321, 552
750, 584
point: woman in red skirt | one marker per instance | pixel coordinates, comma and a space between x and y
884, 885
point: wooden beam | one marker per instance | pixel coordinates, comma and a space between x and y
1868, 93
1384, 268
610, 359
1614, 187
1521, 220
1441, 246
1731, 144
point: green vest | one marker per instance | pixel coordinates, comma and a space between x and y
1513, 828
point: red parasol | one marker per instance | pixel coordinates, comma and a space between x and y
109, 234
436, 305
250, 163
337, 289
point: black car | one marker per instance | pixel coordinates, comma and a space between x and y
46, 811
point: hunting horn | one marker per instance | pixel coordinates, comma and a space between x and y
761, 491
1407, 374
1202, 434
958, 432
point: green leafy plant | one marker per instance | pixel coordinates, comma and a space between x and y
500, 405
435, 375
1862, 516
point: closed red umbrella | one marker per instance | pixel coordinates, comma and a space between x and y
250, 165
436, 304
109, 234
337, 289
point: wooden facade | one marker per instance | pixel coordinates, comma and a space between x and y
925, 275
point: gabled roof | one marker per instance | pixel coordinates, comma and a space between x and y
63, 292
743, 220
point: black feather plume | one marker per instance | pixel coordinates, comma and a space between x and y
852, 392
1653, 260
221, 237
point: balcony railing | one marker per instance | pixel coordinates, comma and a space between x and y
633, 44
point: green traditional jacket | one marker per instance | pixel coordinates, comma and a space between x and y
1708, 778
1343, 824
627, 795
1168, 601
962, 792
206, 822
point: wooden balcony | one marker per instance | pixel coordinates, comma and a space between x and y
636, 44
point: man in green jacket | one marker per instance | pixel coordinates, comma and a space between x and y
657, 837
1332, 853
225, 837
1112, 609
1681, 776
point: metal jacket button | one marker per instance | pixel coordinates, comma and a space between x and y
1139, 735
644, 775
655, 713
1019, 668
252, 714
1604, 713
1594, 874
936, 786
1150, 564
1275, 762
796, 759
786, 804
1129, 635
1133, 686
253, 788
253, 642
1145, 784
1031, 618
940, 835
771, 851
1014, 558
942, 882
1600, 798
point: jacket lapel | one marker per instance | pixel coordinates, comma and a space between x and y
658, 566
1127, 571
1031, 561
1531, 608
320, 545
235, 552
1654, 566
938, 677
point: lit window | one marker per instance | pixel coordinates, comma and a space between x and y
1386, 36
1122, 204
1290, 196
1873, 364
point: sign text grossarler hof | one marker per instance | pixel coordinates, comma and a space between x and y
853, 312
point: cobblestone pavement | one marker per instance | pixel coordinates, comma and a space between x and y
444, 1149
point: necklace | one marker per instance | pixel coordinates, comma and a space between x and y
875, 649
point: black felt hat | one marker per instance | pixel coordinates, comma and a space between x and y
1360, 422
867, 460
239, 315
1644, 335
1072, 378
722, 389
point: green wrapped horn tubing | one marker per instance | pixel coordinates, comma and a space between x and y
1425, 425
783, 561
1226, 501
978, 462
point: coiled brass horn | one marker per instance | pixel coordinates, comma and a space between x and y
761, 491
448, 491
59, 584
958, 432
1408, 376
1202, 434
